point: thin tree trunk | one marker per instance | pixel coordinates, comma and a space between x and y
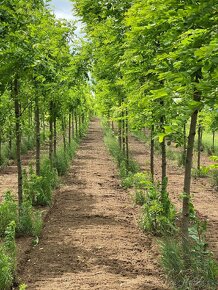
76, 124
64, 133
80, 127
37, 132
199, 146
120, 134
51, 133
17, 110
123, 135
1, 159
73, 131
55, 134
163, 155
213, 146
69, 129
187, 177
127, 139
163, 166
152, 153
184, 144
10, 144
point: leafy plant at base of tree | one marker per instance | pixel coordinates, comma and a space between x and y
8, 212
159, 214
202, 172
30, 220
6, 275
8, 257
38, 189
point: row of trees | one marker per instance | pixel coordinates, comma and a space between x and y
155, 66
43, 80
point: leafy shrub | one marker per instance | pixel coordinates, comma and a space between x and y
30, 220
63, 157
8, 212
202, 172
158, 213
6, 275
8, 258
38, 189
61, 162
140, 197
214, 175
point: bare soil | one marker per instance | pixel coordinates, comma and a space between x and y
91, 239
205, 197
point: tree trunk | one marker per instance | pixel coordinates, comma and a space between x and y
213, 146
199, 146
51, 133
127, 139
37, 132
10, 144
55, 134
1, 159
120, 134
64, 133
152, 153
73, 131
187, 177
80, 127
163, 155
123, 135
69, 129
163, 166
184, 144
17, 110
76, 124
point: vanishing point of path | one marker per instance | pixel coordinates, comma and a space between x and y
91, 239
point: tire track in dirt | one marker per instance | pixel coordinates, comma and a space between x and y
205, 198
91, 239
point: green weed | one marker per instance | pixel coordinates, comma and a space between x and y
30, 220
158, 213
202, 271
8, 212
202, 172
8, 258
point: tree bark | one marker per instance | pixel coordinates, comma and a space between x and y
73, 131
1, 148
163, 166
51, 133
187, 176
76, 124
17, 109
127, 139
69, 128
64, 133
55, 134
37, 132
199, 146
152, 153
213, 146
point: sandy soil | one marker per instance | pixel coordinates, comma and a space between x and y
205, 197
91, 239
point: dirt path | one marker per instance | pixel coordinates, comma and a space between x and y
91, 239
205, 198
